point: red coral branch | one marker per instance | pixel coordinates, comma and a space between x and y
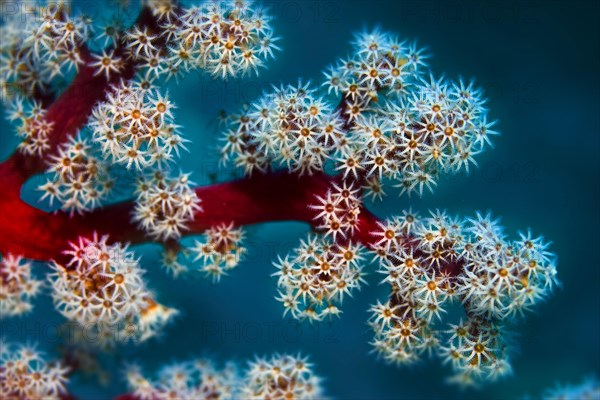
38, 235
279, 196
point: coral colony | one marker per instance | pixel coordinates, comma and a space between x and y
380, 123
279, 377
24, 374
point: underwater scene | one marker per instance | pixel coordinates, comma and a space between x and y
303, 199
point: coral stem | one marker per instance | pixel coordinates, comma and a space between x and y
35, 234
279, 196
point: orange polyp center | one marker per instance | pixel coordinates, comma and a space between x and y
390, 234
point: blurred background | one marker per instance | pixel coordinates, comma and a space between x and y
538, 62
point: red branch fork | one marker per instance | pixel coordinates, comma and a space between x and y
38, 235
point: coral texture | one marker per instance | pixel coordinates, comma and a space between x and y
385, 123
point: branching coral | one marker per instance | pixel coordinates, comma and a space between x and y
307, 157
499, 280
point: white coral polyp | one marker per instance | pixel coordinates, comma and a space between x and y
197, 379
135, 128
164, 206
313, 281
102, 289
281, 377
80, 181
220, 250
25, 374
17, 286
